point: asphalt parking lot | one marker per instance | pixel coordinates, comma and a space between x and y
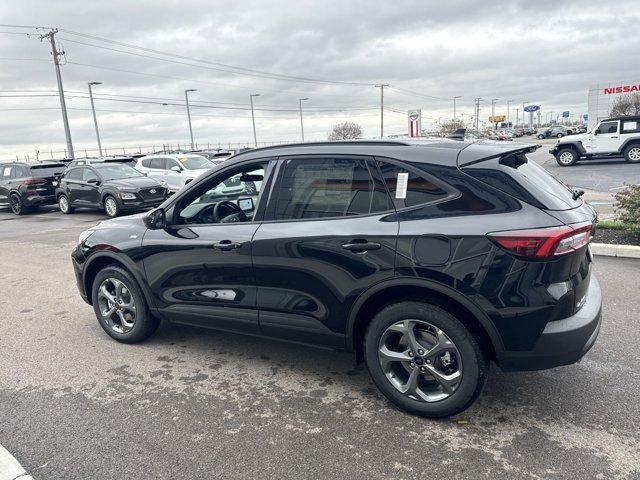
192, 403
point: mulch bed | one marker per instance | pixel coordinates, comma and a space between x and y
620, 237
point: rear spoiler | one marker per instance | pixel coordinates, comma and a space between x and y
504, 153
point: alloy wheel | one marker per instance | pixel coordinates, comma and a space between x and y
16, 206
64, 204
634, 154
111, 207
566, 158
117, 306
420, 360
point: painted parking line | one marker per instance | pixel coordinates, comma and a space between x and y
10, 468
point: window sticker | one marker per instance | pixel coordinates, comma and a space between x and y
401, 185
630, 126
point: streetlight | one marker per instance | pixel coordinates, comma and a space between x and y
493, 112
253, 118
454, 106
508, 111
300, 100
93, 109
186, 97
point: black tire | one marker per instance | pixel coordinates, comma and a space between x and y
632, 153
114, 211
559, 135
64, 205
145, 324
474, 360
562, 157
16, 204
541, 137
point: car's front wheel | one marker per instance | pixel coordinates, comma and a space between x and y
559, 135
566, 157
541, 137
111, 206
120, 306
632, 153
424, 360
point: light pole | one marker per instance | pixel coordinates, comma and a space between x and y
493, 112
454, 106
186, 97
93, 109
300, 100
253, 118
508, 111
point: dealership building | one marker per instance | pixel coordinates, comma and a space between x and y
603, 96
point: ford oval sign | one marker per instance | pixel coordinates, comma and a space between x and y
531, 108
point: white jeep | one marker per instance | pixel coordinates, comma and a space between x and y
611, 137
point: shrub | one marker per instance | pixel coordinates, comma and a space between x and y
627, 206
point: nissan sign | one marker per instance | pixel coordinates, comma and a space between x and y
532, 108
415, 123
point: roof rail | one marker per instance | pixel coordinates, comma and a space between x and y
339, 142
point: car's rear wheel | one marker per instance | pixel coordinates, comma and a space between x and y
120, 306
424, 360
64, 205
541, 137
559, 135
566, 157
632, 153
16, 204
111, 206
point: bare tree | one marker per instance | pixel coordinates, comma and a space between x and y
345, 131
450, 126
626, 105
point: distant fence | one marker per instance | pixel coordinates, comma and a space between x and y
50, 154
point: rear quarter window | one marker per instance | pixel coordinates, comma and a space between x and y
409, 188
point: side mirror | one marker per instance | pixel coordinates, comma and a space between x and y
94, 181
176, 168
597, 131
156, 219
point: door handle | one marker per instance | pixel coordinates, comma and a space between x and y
226, 245
614, 137
360, 245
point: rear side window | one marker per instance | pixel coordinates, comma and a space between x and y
158, 163
630, 126
525, 180
6, 172
310, 188
21, 171
408, 188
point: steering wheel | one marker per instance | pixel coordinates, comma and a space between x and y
228, 212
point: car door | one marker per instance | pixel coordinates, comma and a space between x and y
157, 169
5, 183
200, 271
90, 188
329, 233
175, 179
605, 138
71, 185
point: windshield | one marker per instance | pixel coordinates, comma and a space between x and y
115, 171
194, 163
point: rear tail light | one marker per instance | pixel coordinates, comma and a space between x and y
34, 181
541, 243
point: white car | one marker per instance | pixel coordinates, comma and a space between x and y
177, 170
610, 137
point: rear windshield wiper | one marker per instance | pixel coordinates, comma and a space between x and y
577, 194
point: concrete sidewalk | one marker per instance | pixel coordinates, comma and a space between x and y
10, 469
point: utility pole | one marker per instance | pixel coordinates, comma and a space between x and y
493, 113
186, 97
93, 109
477, 111
63, 105
253, 118
508, 112
381, 86
454, 106
523, 124
300, 100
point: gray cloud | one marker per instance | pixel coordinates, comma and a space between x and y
541, 52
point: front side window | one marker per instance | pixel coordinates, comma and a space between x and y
408, 188
230, 198
608, 127
194, 163
74, 174
309, 188
88, 175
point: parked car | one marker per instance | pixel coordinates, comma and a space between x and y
111, 187
611, 137
519, 132
177, 170
131, 161
428, 260
530, 131
24, 186
557, 131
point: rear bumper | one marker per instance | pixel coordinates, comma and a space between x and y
33, 199
562, 342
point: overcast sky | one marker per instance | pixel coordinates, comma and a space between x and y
542, 52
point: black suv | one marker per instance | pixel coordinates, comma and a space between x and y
24, 186
427, 260
113, 187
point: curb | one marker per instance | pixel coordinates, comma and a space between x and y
613, 250
10, 469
